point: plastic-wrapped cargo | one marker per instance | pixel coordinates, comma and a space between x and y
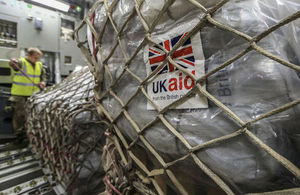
65, 131
197, 82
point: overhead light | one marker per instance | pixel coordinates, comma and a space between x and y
54, 4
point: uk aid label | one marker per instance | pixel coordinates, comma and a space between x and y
170, 84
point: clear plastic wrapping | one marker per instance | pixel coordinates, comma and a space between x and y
65, 131
250, 86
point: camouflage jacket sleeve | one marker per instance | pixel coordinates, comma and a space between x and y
43, 76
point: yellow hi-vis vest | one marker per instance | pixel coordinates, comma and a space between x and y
22, 86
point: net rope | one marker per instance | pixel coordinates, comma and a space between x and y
65, 132
125, 147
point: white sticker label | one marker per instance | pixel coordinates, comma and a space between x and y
170, 83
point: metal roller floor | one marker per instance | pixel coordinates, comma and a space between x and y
21, 173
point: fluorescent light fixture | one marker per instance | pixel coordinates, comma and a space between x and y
54, 4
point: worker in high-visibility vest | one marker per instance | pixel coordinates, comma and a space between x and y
29, 77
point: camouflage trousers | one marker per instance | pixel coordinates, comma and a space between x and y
18, 120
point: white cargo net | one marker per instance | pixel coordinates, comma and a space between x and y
208, 90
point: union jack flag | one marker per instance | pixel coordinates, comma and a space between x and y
183, 55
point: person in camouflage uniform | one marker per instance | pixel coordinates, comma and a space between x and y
29, 77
